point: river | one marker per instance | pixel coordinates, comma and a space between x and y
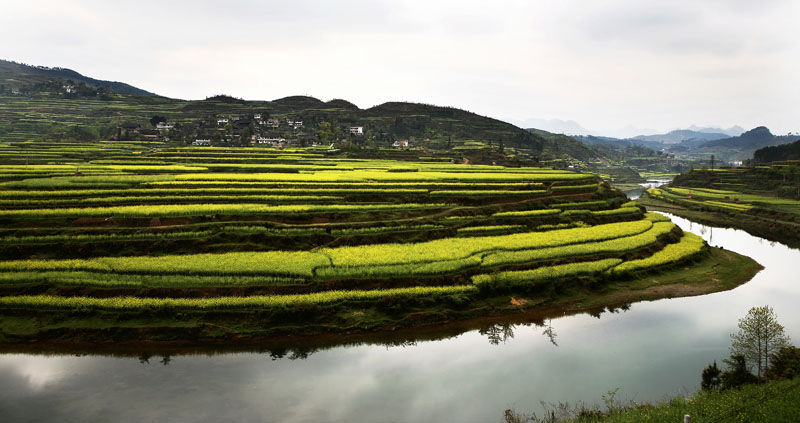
650, 351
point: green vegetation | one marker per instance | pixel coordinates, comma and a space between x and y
764, 201
298, 237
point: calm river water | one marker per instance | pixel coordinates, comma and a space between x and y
650, 351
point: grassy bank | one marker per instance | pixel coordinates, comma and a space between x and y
762, 201
772, 402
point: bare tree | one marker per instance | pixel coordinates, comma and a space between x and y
760, 335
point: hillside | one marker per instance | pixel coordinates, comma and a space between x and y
21, 77
55, 104
778, 153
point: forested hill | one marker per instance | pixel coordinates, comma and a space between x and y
25, 78
778, 153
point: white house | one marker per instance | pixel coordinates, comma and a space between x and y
222, 121
164, 126
201, 142
257, 116
357, 130
270, 141
400, 144
273, 122
297, 124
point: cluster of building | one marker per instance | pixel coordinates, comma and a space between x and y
253, 129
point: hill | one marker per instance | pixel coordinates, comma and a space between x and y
55, 104
24, 78
751, 140
778, 153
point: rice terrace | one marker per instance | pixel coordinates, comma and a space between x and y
301, 241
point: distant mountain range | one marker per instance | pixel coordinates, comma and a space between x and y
700, 145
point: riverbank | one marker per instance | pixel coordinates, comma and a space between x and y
777, 401
717, 270
757, 225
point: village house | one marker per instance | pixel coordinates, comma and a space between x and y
163, 126
273, 123
201, 142
270, 141
400, 144
222, 121
356, 130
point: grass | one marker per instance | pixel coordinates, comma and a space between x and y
777, 401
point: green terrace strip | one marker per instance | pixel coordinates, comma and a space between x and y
498, 193
47, 302
564, 188
115, 280
491, 228
580, 205
175, 192
618, 245
347, 185
531, 277
689, 245
656, 217
458, 248
110, 201
528, 213
363, 175
178, 235
210, 209
619, 211
361, 258
384, 229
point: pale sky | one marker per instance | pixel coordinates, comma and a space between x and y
605, 64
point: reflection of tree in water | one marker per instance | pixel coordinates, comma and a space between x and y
597, 312
296, 354
549, 332
498, 333
145, 359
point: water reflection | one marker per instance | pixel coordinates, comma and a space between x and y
445, 374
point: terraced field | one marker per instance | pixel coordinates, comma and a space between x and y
764, 201
125, 227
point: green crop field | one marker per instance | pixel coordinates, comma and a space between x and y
126, 227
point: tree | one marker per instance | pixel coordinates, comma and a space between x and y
737, 374
760, 335
785, 364
712, 377
155, 120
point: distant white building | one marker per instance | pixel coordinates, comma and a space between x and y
297, 124
201, 142
400, 144
273, 122
257, 116
270, 141
222, 121
164, 126
357, 130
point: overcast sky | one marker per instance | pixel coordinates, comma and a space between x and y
650, 64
